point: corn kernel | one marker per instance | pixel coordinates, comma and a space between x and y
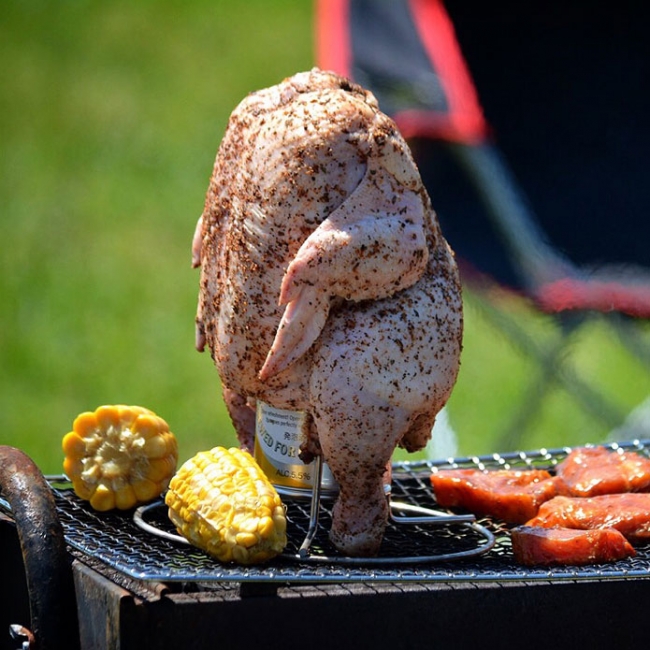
72, 466
145, 490
125, 498
103, 498
82, 490
160, 469
85, 424
107, 416
150, 425
246, 539
265, 526
73, 445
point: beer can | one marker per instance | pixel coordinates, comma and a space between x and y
278, 434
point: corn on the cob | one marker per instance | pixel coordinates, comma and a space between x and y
223, 503
119, 456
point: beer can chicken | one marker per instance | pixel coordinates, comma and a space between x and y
327, 287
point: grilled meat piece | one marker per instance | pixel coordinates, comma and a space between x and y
510, 495
590, 471
629, 513
535, 546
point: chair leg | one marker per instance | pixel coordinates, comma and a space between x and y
554, 371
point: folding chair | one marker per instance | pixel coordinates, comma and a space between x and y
407, 53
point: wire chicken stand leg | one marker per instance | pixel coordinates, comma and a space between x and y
400, 514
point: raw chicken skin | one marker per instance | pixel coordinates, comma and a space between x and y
327, 287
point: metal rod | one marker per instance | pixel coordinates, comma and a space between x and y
428, 516
303, 551
488, 543
138, 519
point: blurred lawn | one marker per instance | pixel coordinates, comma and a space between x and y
111, 114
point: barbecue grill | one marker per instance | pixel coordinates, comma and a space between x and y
127, 580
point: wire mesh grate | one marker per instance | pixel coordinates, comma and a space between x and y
118, 541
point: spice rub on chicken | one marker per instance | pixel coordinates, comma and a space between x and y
327, 287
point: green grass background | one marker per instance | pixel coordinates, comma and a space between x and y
110, 117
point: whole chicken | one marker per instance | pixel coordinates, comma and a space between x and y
327, 287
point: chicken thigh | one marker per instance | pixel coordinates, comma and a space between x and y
327, 287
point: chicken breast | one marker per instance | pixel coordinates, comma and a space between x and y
327, 287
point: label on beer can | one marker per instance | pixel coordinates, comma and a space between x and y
278, 434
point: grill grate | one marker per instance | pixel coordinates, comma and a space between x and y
117, 540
